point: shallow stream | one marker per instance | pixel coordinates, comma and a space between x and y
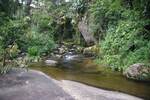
85, 71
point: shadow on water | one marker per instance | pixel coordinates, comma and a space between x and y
85, 71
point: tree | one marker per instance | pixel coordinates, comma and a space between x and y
11, 30
126, 34
12, 33
9, 7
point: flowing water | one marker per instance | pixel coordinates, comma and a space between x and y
85, 71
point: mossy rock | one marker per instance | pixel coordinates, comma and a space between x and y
139, 71
91, 51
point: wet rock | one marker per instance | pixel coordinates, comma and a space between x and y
44, 54
79, 49
138, 71
30, 85
55, 51
64, 49
71, 53
61, 50
55, 56
74, 46
58, 56
63, 46
84, 92
51, 62
71, 57
33, 59
91, 51
72, 50
22, 62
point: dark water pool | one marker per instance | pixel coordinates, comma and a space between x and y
87, 72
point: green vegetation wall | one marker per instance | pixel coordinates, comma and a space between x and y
122, 27
124, 30
22, 32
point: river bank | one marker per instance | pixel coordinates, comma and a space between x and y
87, 72
35, 85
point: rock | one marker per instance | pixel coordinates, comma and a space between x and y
61, 50
36, 60
74, 46
72, 50
87, 35
30, 85
23, 66
51, 62
138, 71
58, 56
66, 49
44, 54
22, 62
55, 51
55, 56
84, 92
79, 49
71, 57
52, 54
19, 84
63, 46
91, 51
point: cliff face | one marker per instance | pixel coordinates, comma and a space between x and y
85, 31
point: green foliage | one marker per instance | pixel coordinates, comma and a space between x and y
121, 26
33, 51
8, 7
126, 40
12, 31
43, 42
14, 51
41, 33
4, 70
80, 6
104, 13
31, 34
123, 46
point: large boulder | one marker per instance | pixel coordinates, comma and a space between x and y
31, 85
87, 35
138, 71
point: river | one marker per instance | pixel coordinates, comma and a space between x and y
87, 72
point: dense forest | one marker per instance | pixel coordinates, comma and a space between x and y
120, 28
103, 43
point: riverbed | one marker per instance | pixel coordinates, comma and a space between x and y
87, 72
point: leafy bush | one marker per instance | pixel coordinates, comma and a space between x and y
102, 14
33, 51
14, 50
4, 70
122, 25
42, 41
124, 46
